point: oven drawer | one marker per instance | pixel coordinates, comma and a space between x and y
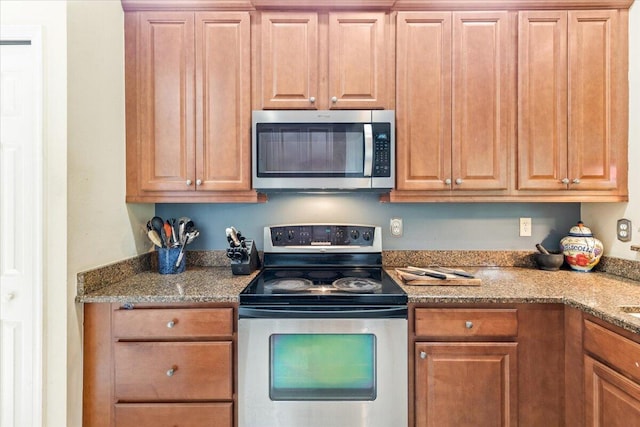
466, 322
176, 371
174, 414
176, 323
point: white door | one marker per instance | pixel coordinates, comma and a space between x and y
20, 227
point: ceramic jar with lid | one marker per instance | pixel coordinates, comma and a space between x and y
581, 250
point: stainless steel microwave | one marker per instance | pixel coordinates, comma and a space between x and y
323, 150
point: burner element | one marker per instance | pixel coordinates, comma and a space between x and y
288, 285
357, 284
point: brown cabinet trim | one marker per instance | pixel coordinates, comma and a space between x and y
134, 5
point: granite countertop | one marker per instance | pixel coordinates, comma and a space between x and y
599, 294
196, 284
596, 293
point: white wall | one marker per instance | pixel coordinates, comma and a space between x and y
87, 223
102, 228
602, 217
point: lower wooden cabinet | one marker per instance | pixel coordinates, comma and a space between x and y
611, 377
490, 365
173, 414
466, 384
611, 399
170, 371
156, 365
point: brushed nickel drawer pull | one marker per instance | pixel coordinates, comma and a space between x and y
172, 371
423, 355
171, 324
468, 324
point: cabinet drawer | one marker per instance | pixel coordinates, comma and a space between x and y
176, 371
466, 322
620, 352
170, 323
174, 414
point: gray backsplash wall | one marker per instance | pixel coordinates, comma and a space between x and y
446, 226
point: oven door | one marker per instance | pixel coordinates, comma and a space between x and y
322, 371
307, 150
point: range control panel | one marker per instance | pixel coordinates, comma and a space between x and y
322, 235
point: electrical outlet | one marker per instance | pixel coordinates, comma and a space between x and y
396, 227
623, 230
525, 227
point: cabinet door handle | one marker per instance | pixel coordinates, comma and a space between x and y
312, 99
468, 324
188, 182
198, 182
576, 181
171, 323
172, 371
565, 180
459, 181
334, 99
447, 181
423, 355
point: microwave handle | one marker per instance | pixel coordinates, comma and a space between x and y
368, 149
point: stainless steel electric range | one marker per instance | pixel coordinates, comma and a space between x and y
322, 335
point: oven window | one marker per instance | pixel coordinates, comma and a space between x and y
322, 367
310, 150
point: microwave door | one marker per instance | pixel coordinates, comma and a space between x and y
314, 155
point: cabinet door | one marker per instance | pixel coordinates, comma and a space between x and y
223, 112
166, 149
423, 109
594, 133
466, 384
289, 57
482, 100
542, 100
357, 60
611, 400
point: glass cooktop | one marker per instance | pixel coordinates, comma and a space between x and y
343, 285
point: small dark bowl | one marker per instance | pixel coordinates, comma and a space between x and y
550, 262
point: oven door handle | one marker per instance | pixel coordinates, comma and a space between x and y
287, 312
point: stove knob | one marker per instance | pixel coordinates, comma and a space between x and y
355, 234
366, 236
339, 236
277, 236
291, 234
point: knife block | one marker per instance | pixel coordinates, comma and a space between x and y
244, 260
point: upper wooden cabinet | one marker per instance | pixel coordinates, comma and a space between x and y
454, 100
572, 116
310, 60
188, 106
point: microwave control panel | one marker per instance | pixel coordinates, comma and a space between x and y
381, 149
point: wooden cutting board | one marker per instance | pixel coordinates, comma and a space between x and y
451, 280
